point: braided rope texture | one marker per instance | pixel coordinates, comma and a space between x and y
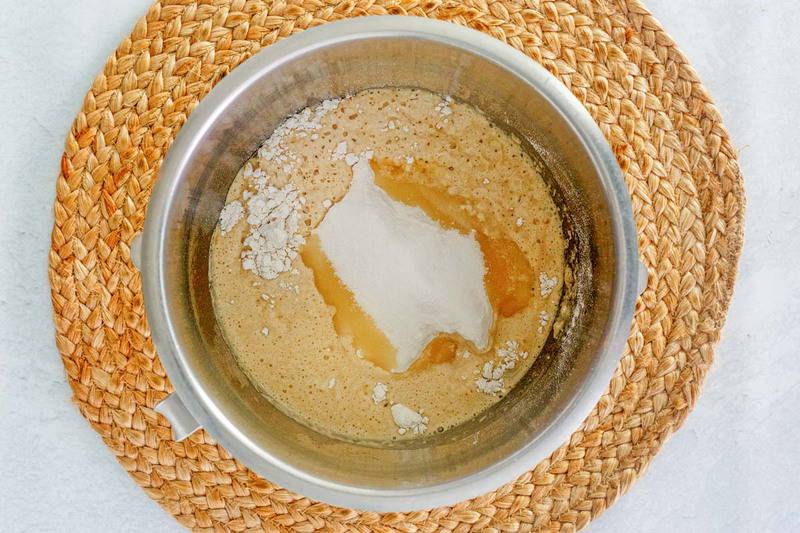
665, 131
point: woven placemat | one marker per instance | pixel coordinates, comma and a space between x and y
614, 56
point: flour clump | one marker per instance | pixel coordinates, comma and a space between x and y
379, 393
491, 380
230, 216
407, 419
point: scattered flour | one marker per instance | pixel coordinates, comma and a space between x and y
407, 419
544, 318
379, 393
546, 284
520, 221
491, 378
307, 120
230, 216
290, 287
274, 239
444, 110
269, 299
443, 107
332, 383
265, 331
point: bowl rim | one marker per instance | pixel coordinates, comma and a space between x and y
203, 408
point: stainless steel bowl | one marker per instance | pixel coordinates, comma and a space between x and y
227, 127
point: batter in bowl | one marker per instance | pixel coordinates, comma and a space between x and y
388, 265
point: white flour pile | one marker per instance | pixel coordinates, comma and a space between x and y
413, 277
301, 123
274, 240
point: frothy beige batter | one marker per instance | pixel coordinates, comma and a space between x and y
447, 159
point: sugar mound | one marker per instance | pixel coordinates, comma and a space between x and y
412, 276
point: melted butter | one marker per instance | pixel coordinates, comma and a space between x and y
442, 349
509, 277
349, 320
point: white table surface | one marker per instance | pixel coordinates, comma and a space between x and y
733, 466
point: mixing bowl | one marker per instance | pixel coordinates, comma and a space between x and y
333, 60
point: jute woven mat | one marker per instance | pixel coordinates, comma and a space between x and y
679, 166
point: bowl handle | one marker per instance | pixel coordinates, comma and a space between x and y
182, 422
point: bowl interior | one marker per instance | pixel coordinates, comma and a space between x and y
234, 130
